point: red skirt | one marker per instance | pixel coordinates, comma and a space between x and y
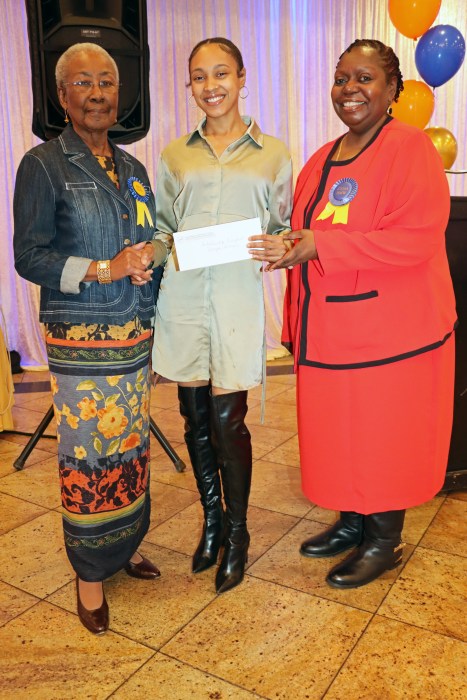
377, 438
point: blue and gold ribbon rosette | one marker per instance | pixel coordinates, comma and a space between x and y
141, 193
340, 195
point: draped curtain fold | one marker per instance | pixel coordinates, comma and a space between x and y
290, 48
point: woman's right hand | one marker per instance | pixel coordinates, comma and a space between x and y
132, 262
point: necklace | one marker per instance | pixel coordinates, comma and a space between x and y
339, 149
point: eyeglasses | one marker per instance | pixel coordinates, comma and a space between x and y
87, 85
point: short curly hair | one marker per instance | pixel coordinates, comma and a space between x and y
389, 61
62, 63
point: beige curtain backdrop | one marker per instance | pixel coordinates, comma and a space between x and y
6, 384
290, 49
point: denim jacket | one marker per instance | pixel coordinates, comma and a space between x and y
68, 212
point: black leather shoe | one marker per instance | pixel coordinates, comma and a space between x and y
364, 565
143, 569
96, 621
346, 533
380, 551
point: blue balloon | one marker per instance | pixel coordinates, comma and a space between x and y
439, 54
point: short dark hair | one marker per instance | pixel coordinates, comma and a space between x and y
389, 61
225, 44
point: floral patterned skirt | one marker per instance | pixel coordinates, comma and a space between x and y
100, 388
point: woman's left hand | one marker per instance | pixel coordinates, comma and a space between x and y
267, 248
303, 250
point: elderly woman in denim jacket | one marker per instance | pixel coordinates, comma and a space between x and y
84, 220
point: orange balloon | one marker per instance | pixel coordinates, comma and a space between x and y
413, 17
445, 143
415, 105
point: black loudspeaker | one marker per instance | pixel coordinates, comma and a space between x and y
456, 246
120, 27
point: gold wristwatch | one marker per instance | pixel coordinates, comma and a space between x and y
103, 272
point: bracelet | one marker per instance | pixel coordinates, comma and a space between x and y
103, 272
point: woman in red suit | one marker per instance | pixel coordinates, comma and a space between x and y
370, 315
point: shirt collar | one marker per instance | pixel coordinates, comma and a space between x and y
253, 132
73, 144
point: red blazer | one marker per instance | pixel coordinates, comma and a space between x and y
380, 290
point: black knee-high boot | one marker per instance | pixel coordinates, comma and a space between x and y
346, 533
195, 409
232, 441
380, 551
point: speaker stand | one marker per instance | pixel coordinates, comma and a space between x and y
18, 464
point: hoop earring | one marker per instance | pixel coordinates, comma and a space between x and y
193, 104
389, 109
66, 116
243, 97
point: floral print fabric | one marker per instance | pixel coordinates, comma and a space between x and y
100, 388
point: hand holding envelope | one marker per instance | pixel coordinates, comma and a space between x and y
224, 243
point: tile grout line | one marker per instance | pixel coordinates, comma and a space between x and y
213, 675
131, 675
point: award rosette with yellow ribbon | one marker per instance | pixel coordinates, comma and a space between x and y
141, 193
340, 195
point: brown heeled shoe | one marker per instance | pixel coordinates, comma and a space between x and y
96, 621
143, 569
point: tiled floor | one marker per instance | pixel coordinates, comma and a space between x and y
282, 634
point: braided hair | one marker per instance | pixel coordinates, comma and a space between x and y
389, 61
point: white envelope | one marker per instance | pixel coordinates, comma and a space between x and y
215, 245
